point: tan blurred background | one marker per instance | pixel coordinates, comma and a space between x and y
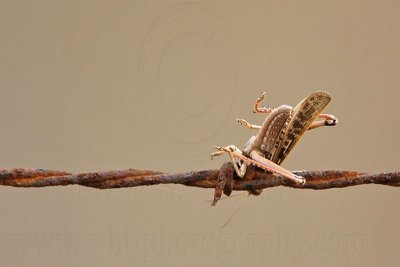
99, 85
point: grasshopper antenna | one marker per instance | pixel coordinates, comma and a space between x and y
235, 212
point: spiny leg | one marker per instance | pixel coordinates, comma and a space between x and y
257, 109
248, 125
271, 166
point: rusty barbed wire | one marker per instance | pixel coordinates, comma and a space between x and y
223, 180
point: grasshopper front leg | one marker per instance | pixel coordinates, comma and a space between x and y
233, 151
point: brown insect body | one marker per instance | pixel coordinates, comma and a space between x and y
284, 127
276, 137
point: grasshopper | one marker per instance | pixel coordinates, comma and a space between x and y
279, 133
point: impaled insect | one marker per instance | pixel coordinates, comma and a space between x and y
280, 131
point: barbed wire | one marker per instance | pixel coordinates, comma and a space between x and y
223, 180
